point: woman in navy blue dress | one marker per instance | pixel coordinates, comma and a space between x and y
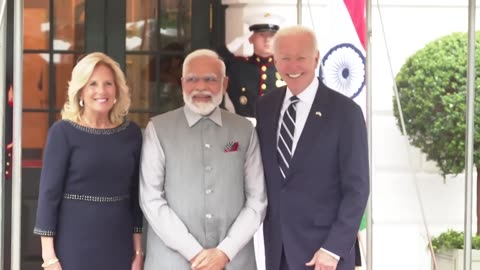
88, 214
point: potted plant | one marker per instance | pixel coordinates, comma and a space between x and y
448, 247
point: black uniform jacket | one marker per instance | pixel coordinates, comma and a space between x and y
249, 78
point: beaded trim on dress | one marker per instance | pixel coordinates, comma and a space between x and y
44, 232
99, 131
89, 198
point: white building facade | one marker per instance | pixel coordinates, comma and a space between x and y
399, 29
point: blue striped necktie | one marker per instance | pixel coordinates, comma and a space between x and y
285, 138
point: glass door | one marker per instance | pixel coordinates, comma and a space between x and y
158, 33
149, 38
54, 38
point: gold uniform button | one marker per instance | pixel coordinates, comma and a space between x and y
258, 59
243, 100
264, 76
270, 59
264, 68
264, 86
8, 163
243, 89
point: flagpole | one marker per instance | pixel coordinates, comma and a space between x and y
17, 135
299, 12
368, 66
3, 101
467, 255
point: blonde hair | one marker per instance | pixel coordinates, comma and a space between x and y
292, 31
81, 74
201, 53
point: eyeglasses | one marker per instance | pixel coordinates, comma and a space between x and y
191, 79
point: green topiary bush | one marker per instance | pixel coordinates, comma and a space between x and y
432, 90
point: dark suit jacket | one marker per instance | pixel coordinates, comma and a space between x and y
322, 201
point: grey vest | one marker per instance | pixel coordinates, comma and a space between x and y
204, 185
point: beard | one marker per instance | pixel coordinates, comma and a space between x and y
202, 108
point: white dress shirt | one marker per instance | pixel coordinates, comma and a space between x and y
304, 105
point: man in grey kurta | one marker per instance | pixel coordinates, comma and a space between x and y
202, 187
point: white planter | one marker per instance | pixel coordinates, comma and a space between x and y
453, 259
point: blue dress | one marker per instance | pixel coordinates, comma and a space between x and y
88, 196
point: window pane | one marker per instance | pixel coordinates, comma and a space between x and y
34, 134
168, 94
145, 32
141, 25
155, 84
69, 25
140, 80
35, 81
175, 23
35, 24
140, 119
64, 64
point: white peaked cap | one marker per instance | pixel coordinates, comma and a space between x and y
266, 21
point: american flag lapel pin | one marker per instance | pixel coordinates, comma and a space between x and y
319, 114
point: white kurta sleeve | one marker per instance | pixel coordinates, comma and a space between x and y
253, 212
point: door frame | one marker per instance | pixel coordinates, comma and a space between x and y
102, 33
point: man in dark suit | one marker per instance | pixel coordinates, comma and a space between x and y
315, 155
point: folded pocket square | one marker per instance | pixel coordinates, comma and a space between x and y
231, 147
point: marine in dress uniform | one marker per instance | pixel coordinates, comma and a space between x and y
252, 76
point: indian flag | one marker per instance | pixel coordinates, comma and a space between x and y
342, 48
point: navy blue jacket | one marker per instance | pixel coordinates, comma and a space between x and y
322, 201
